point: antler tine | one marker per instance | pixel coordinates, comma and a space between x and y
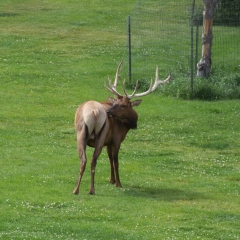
152, 87
134, 91
117, 74
158, 82
112, 87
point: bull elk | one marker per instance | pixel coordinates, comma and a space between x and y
107, 124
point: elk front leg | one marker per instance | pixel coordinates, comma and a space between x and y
112, 174
113, 158
115, 163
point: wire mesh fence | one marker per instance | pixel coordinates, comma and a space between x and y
226, 34
168, 33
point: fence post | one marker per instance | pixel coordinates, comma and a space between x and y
129, 51
197, 34
192, 55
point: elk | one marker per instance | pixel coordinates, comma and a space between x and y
100, 124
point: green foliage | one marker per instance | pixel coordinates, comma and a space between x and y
216, 87
228, 13
179, 169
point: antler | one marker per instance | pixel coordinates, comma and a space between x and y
113, 87
151, 88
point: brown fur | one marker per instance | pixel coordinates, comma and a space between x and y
103, 124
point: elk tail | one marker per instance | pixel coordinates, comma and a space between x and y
95, 114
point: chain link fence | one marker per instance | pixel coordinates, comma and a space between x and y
168, 33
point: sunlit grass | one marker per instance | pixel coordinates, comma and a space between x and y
179, 169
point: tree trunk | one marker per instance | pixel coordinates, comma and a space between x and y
205, 63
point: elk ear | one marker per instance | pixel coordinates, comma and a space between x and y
136, 103
112, 100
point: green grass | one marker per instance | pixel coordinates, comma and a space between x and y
179, 169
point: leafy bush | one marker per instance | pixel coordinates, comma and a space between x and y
215, 87
228, 13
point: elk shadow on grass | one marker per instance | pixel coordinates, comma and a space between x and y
163, 194
8, 14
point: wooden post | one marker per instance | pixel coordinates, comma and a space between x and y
205, 63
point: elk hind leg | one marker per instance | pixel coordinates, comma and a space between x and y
99, 143
81, 141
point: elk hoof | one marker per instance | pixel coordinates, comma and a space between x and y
76, 191
91, 192
112, 181
118, 185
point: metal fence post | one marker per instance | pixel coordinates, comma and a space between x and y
129, 51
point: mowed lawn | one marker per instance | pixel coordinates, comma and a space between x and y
180, 169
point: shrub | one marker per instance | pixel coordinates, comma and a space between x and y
215, 87
228, 13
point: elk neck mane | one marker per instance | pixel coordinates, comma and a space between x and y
129, 122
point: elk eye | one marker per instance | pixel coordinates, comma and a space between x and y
124, 106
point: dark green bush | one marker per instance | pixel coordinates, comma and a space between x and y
228, 13
215, 87
219, 85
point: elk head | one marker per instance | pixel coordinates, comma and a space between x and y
122, 107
